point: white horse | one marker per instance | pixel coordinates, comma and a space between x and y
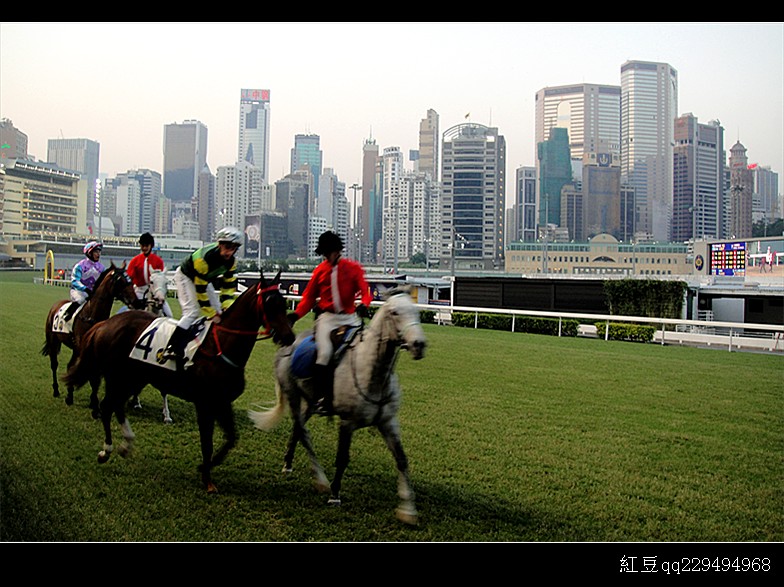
366, 393
155, 303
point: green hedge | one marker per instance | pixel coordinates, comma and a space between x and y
623, 331
645, 297
527, 324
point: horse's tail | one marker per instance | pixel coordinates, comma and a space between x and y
270, 417
79, 373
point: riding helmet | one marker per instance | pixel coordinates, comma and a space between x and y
146, 239
230, 235
92, 246
329, 242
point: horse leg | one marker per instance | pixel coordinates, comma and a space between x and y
167, 419
69, 397
54, 351
95, 406
300, 433
345, 433
128, 436
406, 510
206, 422
106, 419
225, 419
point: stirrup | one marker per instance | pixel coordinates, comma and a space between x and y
322, 409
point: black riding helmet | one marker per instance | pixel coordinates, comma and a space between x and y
329, 242
146, 239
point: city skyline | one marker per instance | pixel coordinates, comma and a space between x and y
65, 80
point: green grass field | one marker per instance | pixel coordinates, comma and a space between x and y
510, 437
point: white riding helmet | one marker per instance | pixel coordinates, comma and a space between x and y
230, 235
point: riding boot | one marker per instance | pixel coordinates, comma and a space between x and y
69, 311
176, 347
323, 389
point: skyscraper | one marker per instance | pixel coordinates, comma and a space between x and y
370, 224
554, 171
591, 113
698, 168
184, 158
649, 106
428, 145
523, 227
741, 190
306, 152
80, 155
13, 142
254, 130
473, 180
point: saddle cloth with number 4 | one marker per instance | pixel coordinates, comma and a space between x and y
155, 339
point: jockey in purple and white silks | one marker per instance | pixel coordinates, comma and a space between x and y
86, 272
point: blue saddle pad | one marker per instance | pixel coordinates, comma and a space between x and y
304, 358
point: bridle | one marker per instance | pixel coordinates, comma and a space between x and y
259, 334
393, 346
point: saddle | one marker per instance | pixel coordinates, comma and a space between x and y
153, 341
304, 357
64, 325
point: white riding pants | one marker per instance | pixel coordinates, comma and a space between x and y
323, 327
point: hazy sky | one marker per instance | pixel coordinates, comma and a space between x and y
120, 83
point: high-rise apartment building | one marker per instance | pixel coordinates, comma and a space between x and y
473, 188
236, 194
767, 200
137, 194
254, 130
698, 168
306, 154
429, 145
81, 155
184, 158
649, 106
205, 204
741, 193
523, 225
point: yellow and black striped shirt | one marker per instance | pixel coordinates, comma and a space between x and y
205, 266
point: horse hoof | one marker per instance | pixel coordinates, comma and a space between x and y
167, 420
69, 401
407, 515
211, 488
103, 457
124, 451
56, 393
334, 501
287, 470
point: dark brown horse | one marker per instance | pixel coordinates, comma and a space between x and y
214, 380
113, 283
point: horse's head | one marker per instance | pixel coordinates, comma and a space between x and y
400, 321
273, 305
263, 303
116, 283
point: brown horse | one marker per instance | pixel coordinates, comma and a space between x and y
214, 380
113, 283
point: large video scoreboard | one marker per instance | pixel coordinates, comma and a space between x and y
728, 258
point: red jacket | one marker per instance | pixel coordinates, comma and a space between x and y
351, 282
135, 268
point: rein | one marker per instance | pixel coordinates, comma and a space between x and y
259, 334
382, 341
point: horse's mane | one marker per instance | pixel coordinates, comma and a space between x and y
103, 275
